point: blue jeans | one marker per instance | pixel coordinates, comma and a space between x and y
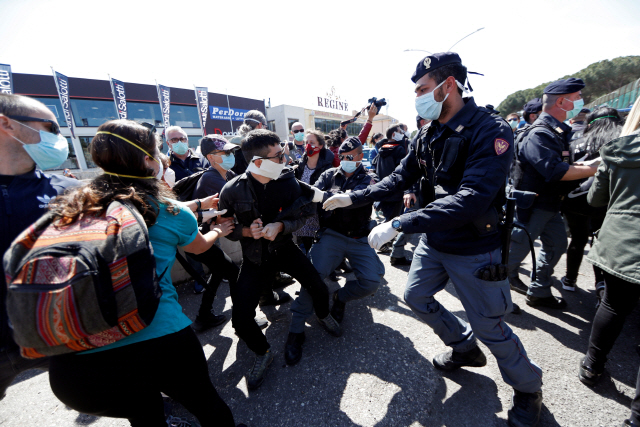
326, 255
549, 228
484, 302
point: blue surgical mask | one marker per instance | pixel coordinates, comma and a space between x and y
228, 161
577, 106
180, 148
299, 136
513, 124
427, 106
50, 152
349, 166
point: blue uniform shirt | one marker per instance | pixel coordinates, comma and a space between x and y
466, 161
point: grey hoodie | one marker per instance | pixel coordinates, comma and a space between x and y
617, 186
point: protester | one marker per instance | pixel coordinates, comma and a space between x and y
577, 123
125, 379
30, 141
376, 140
184, 162
389, 157
343, 234
545, 169
254, 119
616, 250
604, 125
297, 131
461, 229
268, 207
514, 120
333, 140
314, 162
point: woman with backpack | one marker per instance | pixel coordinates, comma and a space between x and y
125, 379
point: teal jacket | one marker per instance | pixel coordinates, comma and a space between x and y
616, 185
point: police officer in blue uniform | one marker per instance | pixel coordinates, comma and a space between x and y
343, 234
531, 111
544, 169
462, 160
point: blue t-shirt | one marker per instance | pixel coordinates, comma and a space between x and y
165, 235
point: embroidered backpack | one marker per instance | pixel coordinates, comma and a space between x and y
81, 286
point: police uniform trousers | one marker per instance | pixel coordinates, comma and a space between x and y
485, 304
549, 227
326, 255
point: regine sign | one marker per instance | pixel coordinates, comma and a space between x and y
333, 101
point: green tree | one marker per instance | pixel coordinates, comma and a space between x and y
600, 79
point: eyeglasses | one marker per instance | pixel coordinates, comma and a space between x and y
349, 157
55, 129
278, 156
297, 130
182, 139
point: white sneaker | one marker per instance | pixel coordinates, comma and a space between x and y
568, 284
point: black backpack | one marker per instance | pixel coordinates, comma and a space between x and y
185, 188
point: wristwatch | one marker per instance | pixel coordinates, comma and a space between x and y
396, 224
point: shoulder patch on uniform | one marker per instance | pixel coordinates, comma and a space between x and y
501, 146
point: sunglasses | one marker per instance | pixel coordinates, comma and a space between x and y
55, 129
182, 139
278, 156
346, 157
297, 131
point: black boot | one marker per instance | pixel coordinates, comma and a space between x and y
452, 360
207, 321
525, 409
337, 310
293, 348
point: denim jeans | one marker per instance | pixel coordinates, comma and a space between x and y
549, 227
485, 304
326, 255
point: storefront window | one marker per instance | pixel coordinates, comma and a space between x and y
185, 116
85, 141
144, 112
291, 122
56, 108
93, 113
271, 124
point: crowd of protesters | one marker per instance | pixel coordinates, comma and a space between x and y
302, 210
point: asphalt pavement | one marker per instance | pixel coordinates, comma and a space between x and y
379, 373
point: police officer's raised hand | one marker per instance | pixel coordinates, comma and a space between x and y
337, 201
382, 234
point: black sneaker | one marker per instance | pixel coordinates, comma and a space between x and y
274, 298
525, 409
629, 423
337, 310
293, 348
255, 377
516, 309
331, 326
587, 375
208, 321
399, 261
549, 302
518, 285
282, 280
568, 284
333, 276
452, 360
385, 249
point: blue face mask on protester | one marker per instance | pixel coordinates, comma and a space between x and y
299, 136
577, 106
180, 148
50, 152
228, 161
349, 166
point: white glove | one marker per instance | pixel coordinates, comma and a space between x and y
337, 201
212, 213
318, 195
382, 234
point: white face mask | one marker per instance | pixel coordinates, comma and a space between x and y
267, 168
170, 177
160, 171
397, 136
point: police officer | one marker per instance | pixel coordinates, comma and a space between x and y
462, 159
343, 234
531, 110
544, 168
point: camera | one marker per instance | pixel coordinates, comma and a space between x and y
379, 103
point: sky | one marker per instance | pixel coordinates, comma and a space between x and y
293, 52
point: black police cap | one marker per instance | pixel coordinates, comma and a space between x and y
349, 144
434, 61
560, 87
532, 106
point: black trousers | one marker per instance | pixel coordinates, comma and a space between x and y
253, 278
126, 382
581, 228
620, 298
220, 266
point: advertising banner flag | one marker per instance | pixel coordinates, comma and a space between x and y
62, 84
164, 96
119, 97
6, 81
202, 100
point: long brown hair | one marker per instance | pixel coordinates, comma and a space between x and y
118, 157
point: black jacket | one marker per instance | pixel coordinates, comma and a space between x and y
239, 198
387, 160
352, 221
325, 160
187, 167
